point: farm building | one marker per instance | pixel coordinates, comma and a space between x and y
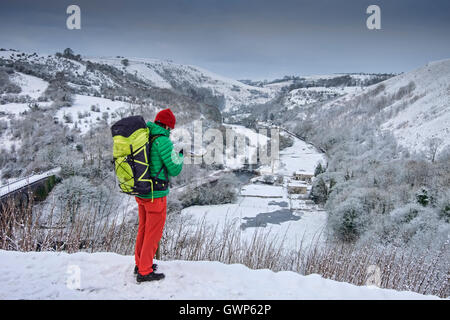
297, 187
303, 176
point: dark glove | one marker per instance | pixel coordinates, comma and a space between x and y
181, 152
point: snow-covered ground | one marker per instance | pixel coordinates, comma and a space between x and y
266, 191
14, 108
300, 157
50, 275
253, 140
272, 215
32, 86
83, 117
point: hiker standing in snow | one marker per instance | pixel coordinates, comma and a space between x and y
164, 163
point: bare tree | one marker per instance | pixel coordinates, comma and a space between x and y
433, 145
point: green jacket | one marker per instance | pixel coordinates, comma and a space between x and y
161, 154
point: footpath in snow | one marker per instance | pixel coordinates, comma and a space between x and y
50, 275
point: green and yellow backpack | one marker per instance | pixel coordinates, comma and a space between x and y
131, 152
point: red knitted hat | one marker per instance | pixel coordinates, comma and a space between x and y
166, 117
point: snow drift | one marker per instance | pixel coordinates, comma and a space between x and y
50, 275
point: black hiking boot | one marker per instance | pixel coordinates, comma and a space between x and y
154, 267
149, 277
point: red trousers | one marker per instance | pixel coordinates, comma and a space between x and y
152, 216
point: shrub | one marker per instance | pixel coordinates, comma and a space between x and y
405, 214
68, 118
268, 179
349, 219
319, 169
3, 126
279, 179
285, 141
221, 192
322, 186
423, 197
6, 86
59, 91
444, 207
319, 191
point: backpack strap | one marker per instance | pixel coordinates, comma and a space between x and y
152, 139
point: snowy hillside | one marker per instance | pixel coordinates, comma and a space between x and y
103, 87
317, 80
428, 113
87, 111
303, 96
31, 86
188, 79
80, 93
416, 104
295, 94
46, 275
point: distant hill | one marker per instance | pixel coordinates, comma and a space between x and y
415, 106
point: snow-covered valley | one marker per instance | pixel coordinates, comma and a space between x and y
288, 217
56, 111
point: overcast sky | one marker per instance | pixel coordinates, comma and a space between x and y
242, 39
